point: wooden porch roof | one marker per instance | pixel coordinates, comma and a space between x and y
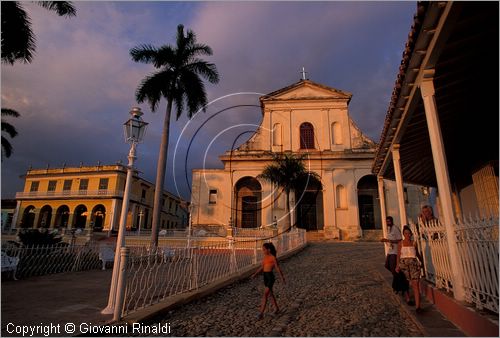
461, 45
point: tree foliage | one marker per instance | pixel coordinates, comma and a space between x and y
18, 38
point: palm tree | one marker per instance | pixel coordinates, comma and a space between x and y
18, 39
289, 173
9, 129
178, 79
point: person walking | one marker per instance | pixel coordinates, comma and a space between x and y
408, 262
399, 282
269, 262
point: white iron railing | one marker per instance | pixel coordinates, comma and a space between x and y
153, 277
477, 242
477, 246
49, 259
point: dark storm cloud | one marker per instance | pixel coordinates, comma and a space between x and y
76, 94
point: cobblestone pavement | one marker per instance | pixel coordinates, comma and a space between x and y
333, 290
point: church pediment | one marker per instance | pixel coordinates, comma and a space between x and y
307, 90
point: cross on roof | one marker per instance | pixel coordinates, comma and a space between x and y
303, 73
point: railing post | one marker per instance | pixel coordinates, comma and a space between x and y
254, 260
122, 284
193, 269
196, 257
232, 265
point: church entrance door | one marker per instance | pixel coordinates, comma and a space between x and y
249, 212
369, 208
247, 203
309, 210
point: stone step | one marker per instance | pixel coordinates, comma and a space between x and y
372, 235
315, 236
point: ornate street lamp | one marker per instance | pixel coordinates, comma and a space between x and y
134, 130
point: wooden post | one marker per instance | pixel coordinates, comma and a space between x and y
443, 179
399, 185
383, 212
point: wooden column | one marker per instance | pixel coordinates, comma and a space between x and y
383, 212
442, 178
399, 185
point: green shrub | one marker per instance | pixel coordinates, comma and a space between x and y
35, 237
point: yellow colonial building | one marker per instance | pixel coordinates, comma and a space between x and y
90, 197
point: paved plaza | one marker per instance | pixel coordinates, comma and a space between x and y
334, 289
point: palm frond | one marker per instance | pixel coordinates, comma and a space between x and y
198, 49
206, 69
166, 57
9, 129
288, 172
144, 53
180, 39
6, 147
178, 99
196, 96
10, 112
62, 8
18, 40
153, 88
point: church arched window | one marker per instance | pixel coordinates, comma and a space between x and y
277, 134
306, 136
336, 133
341, 197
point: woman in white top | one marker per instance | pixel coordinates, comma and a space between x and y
408, 263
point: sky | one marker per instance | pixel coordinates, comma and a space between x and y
76, 94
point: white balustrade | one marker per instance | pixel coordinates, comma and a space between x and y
477, 242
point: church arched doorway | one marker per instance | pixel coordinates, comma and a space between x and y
248, 193
309, 205
369, 208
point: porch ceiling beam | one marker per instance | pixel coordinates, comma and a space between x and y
449, 16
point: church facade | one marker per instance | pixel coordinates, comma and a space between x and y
304, 118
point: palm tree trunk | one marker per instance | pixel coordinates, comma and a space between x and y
160, 176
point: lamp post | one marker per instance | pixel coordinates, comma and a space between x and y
190, 210
134, 130
141, 214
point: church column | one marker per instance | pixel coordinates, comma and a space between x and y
442, 178
329, 205
267, 205
383, 212
399, 184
